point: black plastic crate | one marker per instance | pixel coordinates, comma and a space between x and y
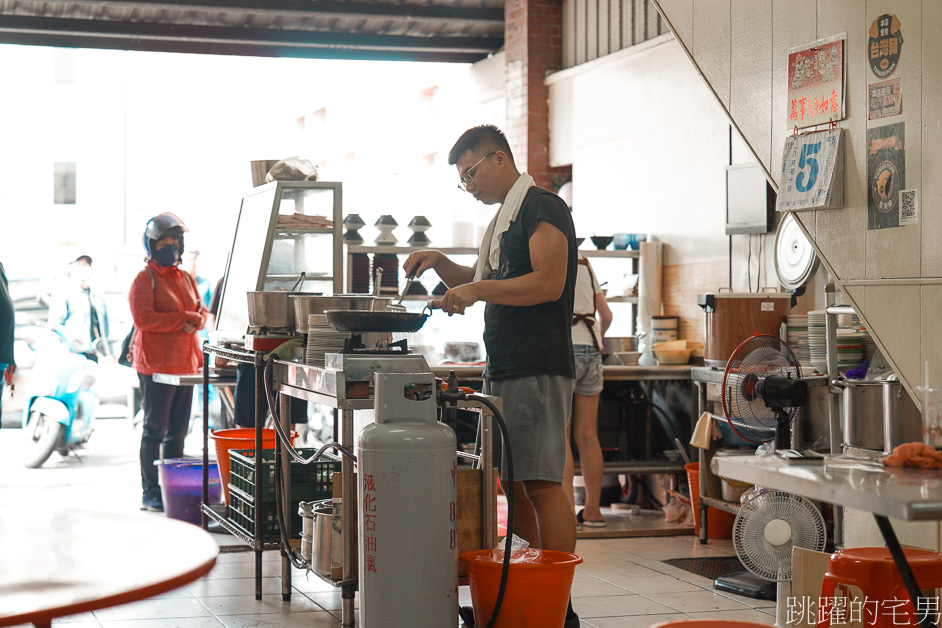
309, 482
242, 515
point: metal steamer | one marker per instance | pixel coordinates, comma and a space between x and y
406, 560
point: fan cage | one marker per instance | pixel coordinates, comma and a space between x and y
760, 557
759, 356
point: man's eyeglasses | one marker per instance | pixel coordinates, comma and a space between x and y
468, 177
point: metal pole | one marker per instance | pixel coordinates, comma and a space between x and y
259, 422
205, 496
486, 430
285, 479
703, 461
902, 565
349, 519
834, 404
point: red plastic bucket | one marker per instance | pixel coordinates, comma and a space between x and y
536, 596
719, 522
238, 438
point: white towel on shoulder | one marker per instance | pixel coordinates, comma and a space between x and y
489, 253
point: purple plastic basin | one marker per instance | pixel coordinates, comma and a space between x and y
181, 486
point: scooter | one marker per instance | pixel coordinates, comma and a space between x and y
59, 412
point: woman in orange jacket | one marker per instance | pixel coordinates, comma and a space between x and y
167, 313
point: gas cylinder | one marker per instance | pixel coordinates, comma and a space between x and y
407, 478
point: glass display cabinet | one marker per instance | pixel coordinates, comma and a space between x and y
285, 228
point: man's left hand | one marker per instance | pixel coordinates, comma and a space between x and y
457, 299
8, 374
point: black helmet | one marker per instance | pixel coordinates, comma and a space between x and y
160, 226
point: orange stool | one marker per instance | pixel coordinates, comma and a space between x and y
886, 602
708, 623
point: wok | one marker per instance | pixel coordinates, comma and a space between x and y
304, 305
384, 320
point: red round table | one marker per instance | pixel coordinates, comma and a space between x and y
55, 563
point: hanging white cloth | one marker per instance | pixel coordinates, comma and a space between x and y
489, 253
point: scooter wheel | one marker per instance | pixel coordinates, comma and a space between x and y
42, 436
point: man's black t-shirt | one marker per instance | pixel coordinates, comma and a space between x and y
536, 339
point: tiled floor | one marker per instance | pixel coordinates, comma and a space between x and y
621, 583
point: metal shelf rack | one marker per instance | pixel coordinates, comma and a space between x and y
328, 386
218, 512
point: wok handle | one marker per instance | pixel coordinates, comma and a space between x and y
434, 304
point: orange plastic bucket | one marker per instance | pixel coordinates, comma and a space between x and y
536, 595
719, 522
238, 438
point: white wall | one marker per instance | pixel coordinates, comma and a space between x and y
891, 276
648, 145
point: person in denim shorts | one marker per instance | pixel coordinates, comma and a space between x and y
590, 320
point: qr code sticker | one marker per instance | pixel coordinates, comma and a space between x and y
908, 207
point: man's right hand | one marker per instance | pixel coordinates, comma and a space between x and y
189, 328
420, 261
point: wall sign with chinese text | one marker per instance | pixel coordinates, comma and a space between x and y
886, 175
884, 45
816, 83
812, 174
884, 99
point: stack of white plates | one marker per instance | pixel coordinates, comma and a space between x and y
869, 346
321, 339
817, 340
849, 348
797, 337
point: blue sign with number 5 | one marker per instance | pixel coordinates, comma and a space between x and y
812, 174
806, 183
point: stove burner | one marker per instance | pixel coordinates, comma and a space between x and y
354, 345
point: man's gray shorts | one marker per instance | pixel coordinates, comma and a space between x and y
536, 410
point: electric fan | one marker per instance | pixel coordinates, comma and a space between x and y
762, 390
766, 529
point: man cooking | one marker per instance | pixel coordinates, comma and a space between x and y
526, 274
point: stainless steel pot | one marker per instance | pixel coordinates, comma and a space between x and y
863, 415
621, 344
320, 560
304, 305
879, 415
902, 419
271, 309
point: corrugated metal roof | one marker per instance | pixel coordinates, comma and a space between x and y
436, 30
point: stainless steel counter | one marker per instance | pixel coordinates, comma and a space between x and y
609, 373
712, 375
217, 377
902, 493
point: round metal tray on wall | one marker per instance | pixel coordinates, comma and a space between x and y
795, 259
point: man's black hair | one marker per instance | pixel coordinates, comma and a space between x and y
483, 139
